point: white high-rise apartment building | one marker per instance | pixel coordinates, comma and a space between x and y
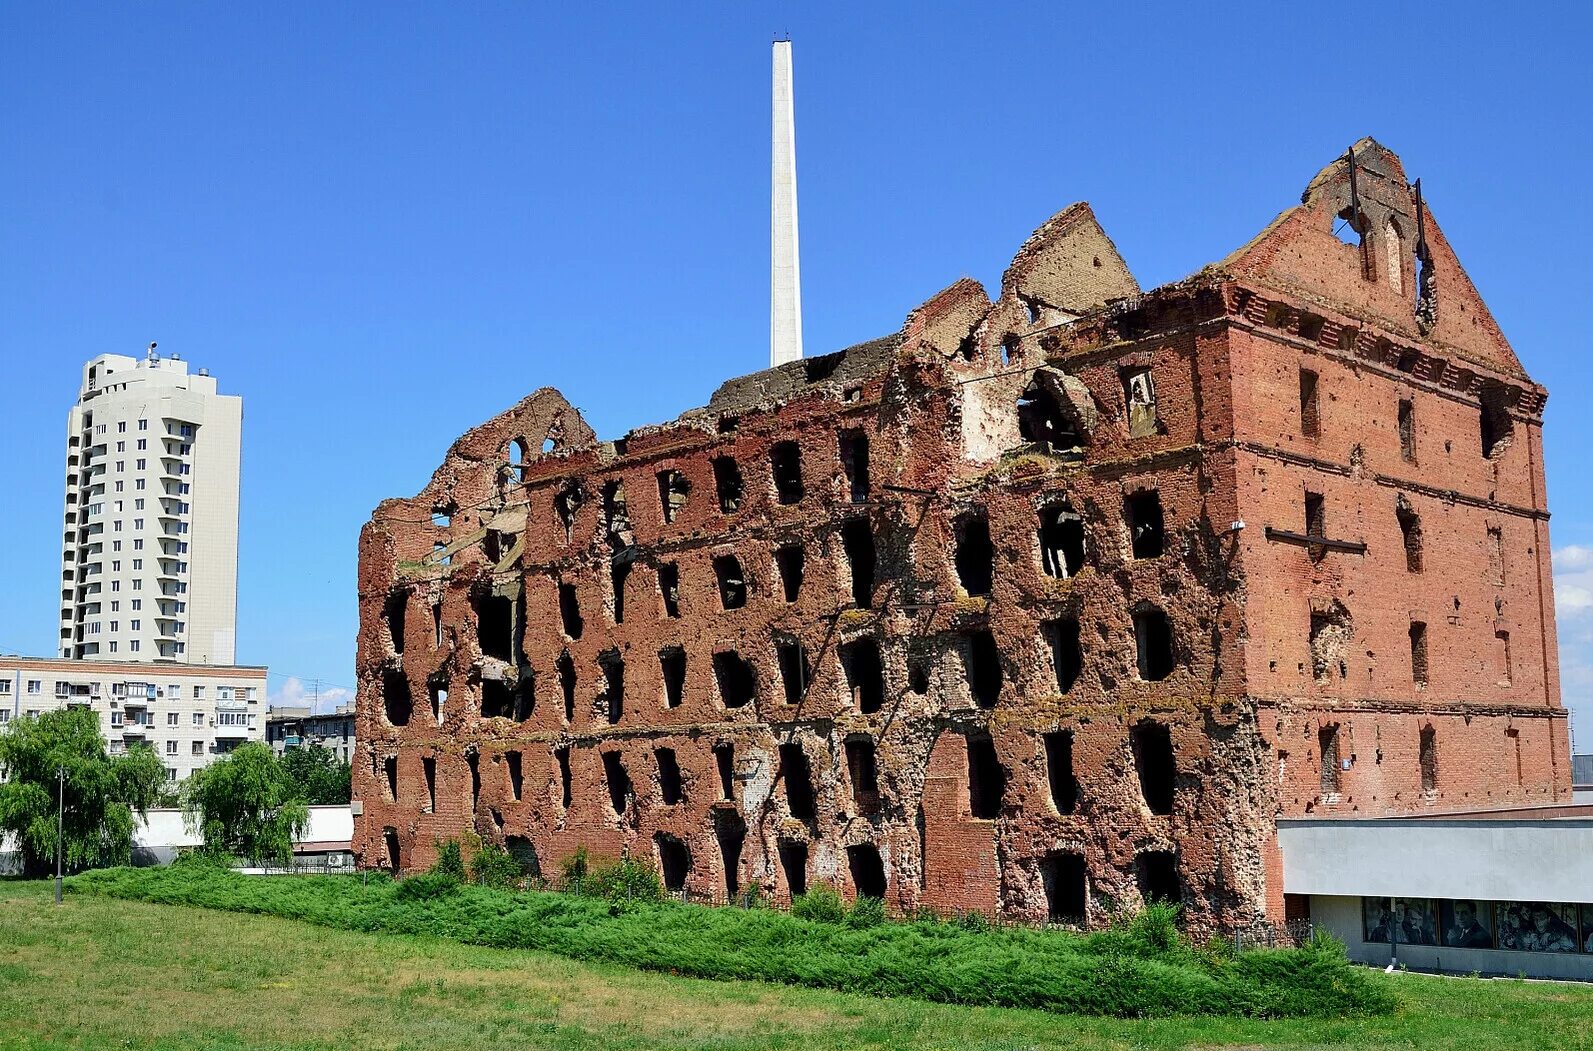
149, 563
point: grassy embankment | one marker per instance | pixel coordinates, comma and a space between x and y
104, 972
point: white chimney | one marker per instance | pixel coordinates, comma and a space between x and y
785, 276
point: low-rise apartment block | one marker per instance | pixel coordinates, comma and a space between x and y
300, 727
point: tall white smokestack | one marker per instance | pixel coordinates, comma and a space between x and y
785, 275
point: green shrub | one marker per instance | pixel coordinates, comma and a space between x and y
576, 865
972, 920
1121, 972
626, 880
866, 912
493, 866
450, 862
822, 903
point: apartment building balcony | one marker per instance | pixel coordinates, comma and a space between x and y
230, 732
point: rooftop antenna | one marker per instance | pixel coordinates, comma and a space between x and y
152, 354
785, 277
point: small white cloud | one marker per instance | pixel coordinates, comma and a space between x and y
1573, 581
294, 693
1572, 557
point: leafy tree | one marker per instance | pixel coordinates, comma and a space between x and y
320, 777
102, 792
245, 805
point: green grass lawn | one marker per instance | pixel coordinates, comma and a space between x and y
103, 972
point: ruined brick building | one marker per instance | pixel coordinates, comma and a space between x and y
1040, 605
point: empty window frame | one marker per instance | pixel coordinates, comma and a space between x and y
857, 542
495, 625
1063, 782
1428, 759
785, 465
566, 502
669, 587
854, 464
1316, 522
737, 684
473, 763
619, 571
437, 693
1328, 749
1310, 410
1139, 396
1043, 420
565, 667
1143, 512
620, 789
1410, 529
1418, 652
789, 561
865, 673
728, 484
987, 779
669, 779
732, 581
672, 669
674, 862
566, 781
673, 490
794, 866
867, 870
795, 672
1061, 541
1506, 673
725, 763
1156, 873
497, 699
397, 701
863, 773
1066, 890
982, 664
514, 770
975, 557
570, 611
612, 665
428, 773
1061, 638
1155, 765
390, 773
1153, 644
393, 612
731, 833
1495, 421
798, 780
1407, 430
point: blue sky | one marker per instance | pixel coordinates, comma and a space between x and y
382, 224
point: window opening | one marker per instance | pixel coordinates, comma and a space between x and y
1330, 639
1328, 743
1316, 523
515, 771
673, 489
620, 789
1156, 872
612, 666
566, 502
1407, 430
857, 541
495, 625
983, 666
794, 865
1061, 541
1059, 771
785, 462
1153, 760
1429, 760
619, 571
390, 768
725, 761
616, 515
669, 782
854, 462
976, 555
1153, 643
396, 699
436, 625
798, 781
731, 832
737, 687
674, 862
1418, 653
790, 560
669, 587
1042, 420
566, 669
473, 762
728, 484
865, 673
672, 665
795, 673
868, 871
570, 612
1139, 394
864, 775
1496, 564
393, 609
1310, 413
497, 699
1410, 528
390, 840
732, 581
987, 779
566, 781
1497, 425
1067, 656
1506, 675
1063, 875
437, 693
1145, 523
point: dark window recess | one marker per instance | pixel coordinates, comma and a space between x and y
515, 771
390, 841
982, 661
436, 625
390, 770
854, 461
1429, 759
428, 773
725, 762
1059, 771
1061, 541
393, 610
619, 571
1310, 412
1328, 743
864, 775
525, 695
857, 541
396, 699
731, 832
789, 560
918, 673
524, 853
619, 782
1153, 644
1496, 423
673, 489
437, 693
1410, 528
672, 664
497, 699
473, 761
1065, 887
1316, 522
795, 673
566, 781
1418, 653
566, 502
728, 484
1067, 656
674, 862
570, 611
794, 866
1041, 419
785, 462
865, 673
868, 871
1145, 525
820, 368
519, 629
669, 785
669, 588
798, 780
616, 515
1156, 872
732, 581
987, 779
613, 668
976, 555
566, 670
1407, 429
737, 687
1153, 761
495, 626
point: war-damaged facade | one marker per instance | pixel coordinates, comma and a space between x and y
1041, 605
